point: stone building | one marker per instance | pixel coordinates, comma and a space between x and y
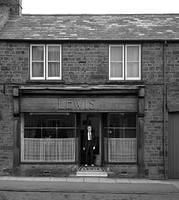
58, 72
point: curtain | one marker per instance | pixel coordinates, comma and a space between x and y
37, 61
116, 58
53, 61
132, 61
116, 69
116, 53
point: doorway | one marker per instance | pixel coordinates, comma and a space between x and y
95, 120
173, 150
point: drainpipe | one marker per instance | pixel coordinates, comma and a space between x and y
164, 109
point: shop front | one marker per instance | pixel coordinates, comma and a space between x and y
53, 126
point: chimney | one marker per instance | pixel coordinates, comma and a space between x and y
15, 6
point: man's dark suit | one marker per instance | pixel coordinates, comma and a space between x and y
88, 147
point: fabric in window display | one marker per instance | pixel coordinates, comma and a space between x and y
49, 138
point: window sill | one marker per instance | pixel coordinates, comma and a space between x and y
45, 82
125, 82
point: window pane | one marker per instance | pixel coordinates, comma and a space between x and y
49, 138
116, 54
121, 141
132, 69
53, 53
132, 53
49, 126
116, 70
37, 69
116, 120
116, 133
130, 133
65, 133
130, 120
37, 53
53, 69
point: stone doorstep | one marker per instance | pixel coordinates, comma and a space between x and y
92, 173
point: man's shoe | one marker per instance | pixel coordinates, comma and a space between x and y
92, 165
86, 165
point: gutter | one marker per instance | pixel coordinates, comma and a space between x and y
164, 109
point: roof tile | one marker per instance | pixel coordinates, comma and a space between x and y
93, 27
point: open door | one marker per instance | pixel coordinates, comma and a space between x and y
95, 121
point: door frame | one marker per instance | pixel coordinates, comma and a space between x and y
172, 173
99, 117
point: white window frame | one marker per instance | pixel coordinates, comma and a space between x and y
139, 61
124, 77
37, 78
47, 61
116, 78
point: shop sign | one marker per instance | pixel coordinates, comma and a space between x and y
76, 104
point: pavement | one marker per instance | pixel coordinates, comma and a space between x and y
86, 188
88, 184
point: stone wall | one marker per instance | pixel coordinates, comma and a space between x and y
87, 63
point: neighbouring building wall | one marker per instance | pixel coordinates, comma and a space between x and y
15, 6
152, 70
87, 63
172, 87
6, 130
14, 66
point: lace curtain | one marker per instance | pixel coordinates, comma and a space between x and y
37, 61
53, 61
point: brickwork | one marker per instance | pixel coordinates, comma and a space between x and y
153, 131
14, 62
14, 5
172, 63
122, 171
87, 63
152, 70
6, 131
52, 170
152, 63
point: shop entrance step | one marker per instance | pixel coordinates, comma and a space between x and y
91, 171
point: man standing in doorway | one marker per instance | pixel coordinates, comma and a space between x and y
89, 145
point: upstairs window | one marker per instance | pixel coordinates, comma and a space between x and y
124, 62
45, 62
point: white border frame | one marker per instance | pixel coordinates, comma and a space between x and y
37, 78
116, 78
133, 78
60, 55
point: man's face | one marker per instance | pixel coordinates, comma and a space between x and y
89, 128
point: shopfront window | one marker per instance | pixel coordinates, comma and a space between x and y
48, 138
120, 138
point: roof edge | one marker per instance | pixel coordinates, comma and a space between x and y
105, 14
